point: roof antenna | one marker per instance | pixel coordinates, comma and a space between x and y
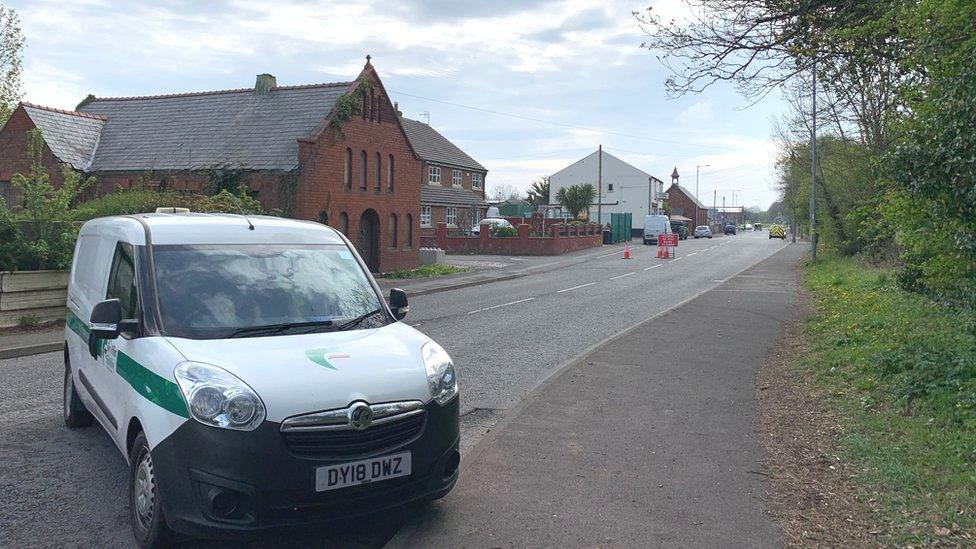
250, 225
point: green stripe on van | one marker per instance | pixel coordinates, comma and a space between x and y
158, 390
76, 325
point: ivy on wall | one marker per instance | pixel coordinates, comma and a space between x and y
349, 105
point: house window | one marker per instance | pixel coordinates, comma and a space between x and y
409, 231
389, 174
452, 216
344, 223
425, 216
456, 177
476, 214
475, 180
393, 230
434, 175
362, 170
347, 169
379, 173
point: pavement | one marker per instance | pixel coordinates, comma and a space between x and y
506, 339
646, 441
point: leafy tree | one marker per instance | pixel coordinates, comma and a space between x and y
47, 211
11, 59
11, 240
538, 193
577, 198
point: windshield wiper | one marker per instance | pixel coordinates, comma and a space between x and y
352, 323
277, 328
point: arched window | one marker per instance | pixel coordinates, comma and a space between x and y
379, 173
409, 221
393, 230
389, 174
372, 105
347, 169
344, 223
362, 170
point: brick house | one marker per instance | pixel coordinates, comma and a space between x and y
453, 184
360, 174
684, 203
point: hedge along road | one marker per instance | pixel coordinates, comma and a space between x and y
65, 487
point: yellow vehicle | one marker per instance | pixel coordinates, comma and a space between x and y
777, 232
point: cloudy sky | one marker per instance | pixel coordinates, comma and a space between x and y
524, 86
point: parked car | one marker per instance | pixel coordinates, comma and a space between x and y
730, 228
777, 232
757, 227
748, 226
493, 222
655, 225
680, 229
252, 374
702, 231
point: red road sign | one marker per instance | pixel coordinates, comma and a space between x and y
667, 240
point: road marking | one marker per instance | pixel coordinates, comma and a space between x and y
575, 287
623, 275
502, 305
609, 254
653, 267
677, 258
713, 247
692, 253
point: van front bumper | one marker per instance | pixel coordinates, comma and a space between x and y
203, 471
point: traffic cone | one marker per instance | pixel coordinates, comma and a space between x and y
626, 250
667, 253
659, 254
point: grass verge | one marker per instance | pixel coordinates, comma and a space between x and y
900, 371
426, 271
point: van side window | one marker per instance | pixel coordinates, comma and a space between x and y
122, 280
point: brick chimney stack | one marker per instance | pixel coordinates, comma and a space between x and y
396, 108
265, 83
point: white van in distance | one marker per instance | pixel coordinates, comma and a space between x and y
252, 374
655, 225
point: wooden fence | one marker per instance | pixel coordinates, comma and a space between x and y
39, 295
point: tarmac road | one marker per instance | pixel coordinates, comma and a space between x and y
66, 488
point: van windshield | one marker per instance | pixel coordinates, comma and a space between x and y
209, 292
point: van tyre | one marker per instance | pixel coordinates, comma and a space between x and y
75, 413
145, 505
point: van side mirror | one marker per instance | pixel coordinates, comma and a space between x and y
398, 303
107, 322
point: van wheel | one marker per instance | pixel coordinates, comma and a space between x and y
145, 505
75, 413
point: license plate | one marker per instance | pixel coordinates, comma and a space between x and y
362, 472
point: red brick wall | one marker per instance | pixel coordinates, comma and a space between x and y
321, 186
679, 201
267, 187
564, 239
13, 151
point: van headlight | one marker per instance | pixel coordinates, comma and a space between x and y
218, 398
441, 378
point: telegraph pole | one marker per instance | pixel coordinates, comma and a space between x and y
813, 171
599, 187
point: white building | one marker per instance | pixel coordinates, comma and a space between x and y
625, 188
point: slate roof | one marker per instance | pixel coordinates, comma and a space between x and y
71, 136
201, 130
690, 195
434, 147
449, 196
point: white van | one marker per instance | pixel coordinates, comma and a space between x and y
655, 225
252, 374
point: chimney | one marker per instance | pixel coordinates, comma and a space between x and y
264, 84
396, 109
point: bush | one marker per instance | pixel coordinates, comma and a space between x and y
498, 230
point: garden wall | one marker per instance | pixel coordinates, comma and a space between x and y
562, 239
39, 295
